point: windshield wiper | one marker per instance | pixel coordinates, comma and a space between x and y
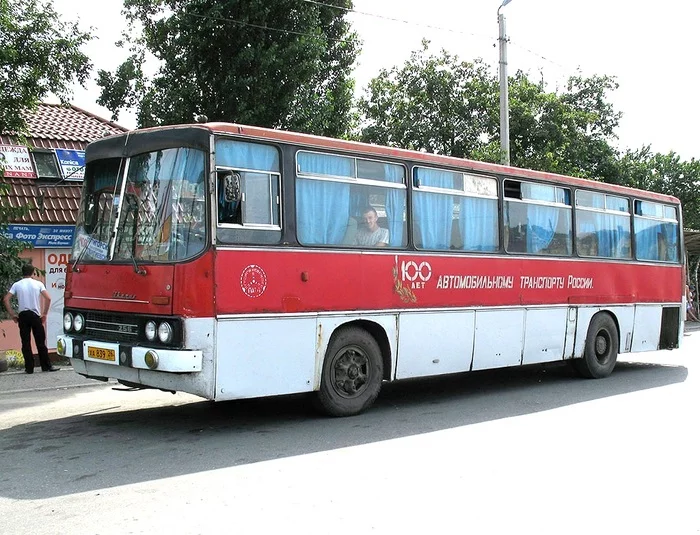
74, 267
137, 269
132, 207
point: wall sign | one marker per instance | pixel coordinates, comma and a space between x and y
72, 163
42, 235
16, 161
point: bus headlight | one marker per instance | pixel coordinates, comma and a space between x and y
165, 332
151, 331
78, 323
67, 322
61, 347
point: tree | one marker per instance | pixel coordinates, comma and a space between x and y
432, 103
569, 132
438, 103
274, 63
39, 54
664, 173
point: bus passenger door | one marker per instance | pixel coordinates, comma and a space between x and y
571, 317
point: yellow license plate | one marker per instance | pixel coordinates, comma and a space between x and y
102, 354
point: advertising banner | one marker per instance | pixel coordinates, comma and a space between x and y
16, 161
42, 235
56, 265
72, 163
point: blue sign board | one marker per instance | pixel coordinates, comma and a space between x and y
42, 236
72, 163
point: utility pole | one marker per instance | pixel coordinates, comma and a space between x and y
503, 76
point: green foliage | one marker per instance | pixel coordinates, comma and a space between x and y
438, 103
433, 103
664, 173
10, 262
568, 132
274, 63
39, 54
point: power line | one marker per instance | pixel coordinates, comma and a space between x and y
429, 26
393, 19
401, 21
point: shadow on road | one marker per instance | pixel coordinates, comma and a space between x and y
105, 449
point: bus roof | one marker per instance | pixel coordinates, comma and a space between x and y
367, 149
427, 158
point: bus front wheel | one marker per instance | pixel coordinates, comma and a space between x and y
352, 373
602, 346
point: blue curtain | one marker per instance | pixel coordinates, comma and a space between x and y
478, 223
670, 233
541, 220
395, 205
251, 156
541, 226
611, 236
323, 207
611, 231
181, 164
432, 212
645, 236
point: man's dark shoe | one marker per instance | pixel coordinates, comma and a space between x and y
52, 369
28, 371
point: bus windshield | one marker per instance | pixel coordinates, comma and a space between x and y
159, 211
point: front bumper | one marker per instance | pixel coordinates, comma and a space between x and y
123, 355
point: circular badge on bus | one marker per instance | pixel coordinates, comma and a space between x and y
253, 281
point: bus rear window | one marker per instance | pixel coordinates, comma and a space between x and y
656, 232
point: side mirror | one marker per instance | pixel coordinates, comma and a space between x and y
232, 187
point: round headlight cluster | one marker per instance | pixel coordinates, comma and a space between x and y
73, 322
151, 331
78, 323
163, 330
67, 322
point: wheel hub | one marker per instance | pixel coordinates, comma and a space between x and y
350, 372
601, 345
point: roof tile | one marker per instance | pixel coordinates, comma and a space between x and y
54, 126
47, 203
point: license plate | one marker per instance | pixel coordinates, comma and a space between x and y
102, 354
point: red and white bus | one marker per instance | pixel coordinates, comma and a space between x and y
231, 262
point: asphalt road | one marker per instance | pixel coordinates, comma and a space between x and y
532, 450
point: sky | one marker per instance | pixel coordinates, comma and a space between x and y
648, 46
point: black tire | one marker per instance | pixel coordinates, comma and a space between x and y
352, 373
602, 346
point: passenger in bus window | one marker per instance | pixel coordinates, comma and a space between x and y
371, 234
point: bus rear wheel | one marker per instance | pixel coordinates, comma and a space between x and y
602, 346
352, 373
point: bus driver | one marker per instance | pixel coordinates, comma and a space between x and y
371, 234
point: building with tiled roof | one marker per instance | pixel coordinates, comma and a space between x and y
44, 185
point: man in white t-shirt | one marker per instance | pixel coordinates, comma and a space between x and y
34, 302
371, 234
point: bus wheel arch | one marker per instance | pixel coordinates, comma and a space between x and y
353, 370
601, 348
